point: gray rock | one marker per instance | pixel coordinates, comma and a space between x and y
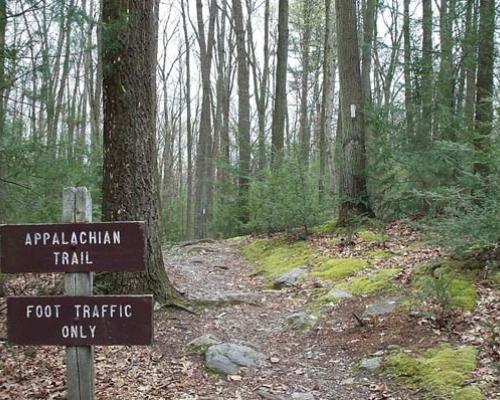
302, 396
371, 363
339, 294
347, 382
202, 343
228, 358
301, 321
289, 278
381, 308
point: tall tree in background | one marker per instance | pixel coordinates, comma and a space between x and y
353, 196
427, 75
326, 100
305, 43
189, 179
407, 68
130, 182
484, 101
366, 50
279, 112
3, 25
445, 82
470, 49
243, 112
204, 164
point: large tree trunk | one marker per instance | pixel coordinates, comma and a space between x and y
326, 100
3, 26
204, 164
470, 49
425, 130
366, 54
353, 194
189, 182
280, 104
407, 69
130, 182
484, 102
444, 95
243, 113
305, 129
264, 95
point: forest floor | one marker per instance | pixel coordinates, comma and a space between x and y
331, 355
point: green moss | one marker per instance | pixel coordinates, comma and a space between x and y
276, 257
440, 371
469, 393
381, 280
340, 268
447, 283
326, 227
495, 277
379, 254
463, 294
371, 236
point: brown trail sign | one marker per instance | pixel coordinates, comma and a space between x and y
104, 246
80, 321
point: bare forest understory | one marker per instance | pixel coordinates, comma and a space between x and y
311, 345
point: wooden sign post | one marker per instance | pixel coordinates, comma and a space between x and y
77, 320
77, 207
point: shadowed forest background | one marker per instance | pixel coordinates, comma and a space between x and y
246, 143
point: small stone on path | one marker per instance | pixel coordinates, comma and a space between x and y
371, 363
381, 308
202, 343
347, 382
228, 358
289, 278
339, 294
302, 396
301, 321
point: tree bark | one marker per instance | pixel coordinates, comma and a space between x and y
130, 181
426, 118
444, 99
410, 130
352, 183
243, 113
484, 96
189, 125
279, 112
366, 54
326, 100
204, 164
305, 42
470, 61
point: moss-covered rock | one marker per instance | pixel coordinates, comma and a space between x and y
275, 257
381, 280
339, 268
441, 371
372, 236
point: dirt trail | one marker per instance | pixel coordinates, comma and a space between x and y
297, 363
